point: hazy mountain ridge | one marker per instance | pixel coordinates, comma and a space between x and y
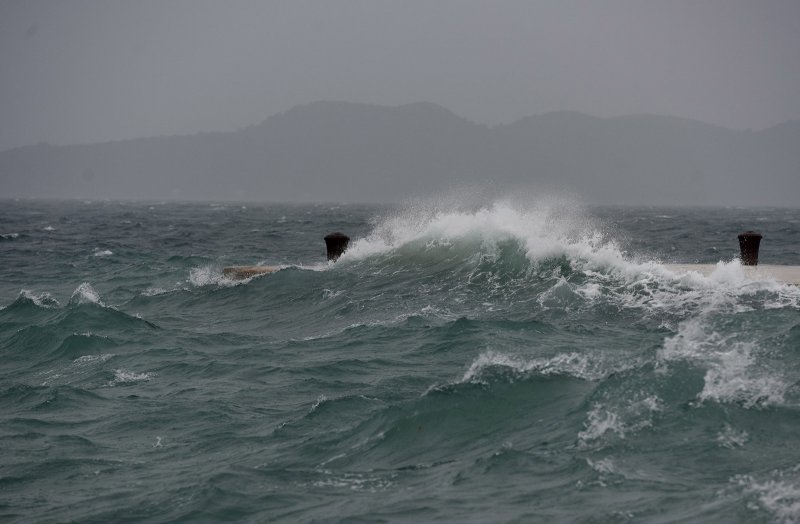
337, 151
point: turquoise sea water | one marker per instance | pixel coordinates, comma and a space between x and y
502, 362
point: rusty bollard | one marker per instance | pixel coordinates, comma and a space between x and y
749, 242
336, 244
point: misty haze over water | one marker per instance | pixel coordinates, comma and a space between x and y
345, 152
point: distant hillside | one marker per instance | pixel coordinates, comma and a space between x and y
343, 152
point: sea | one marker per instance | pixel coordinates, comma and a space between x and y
520, 359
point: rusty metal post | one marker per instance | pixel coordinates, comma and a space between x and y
336, 244
749, 242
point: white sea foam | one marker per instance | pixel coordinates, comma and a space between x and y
103, 253
212, 276
733, 374
9, 236
599, 422
44, 300
320, 400
779, 494
122, 376
328, 294
734, 378
154, 291
319, 266
628, 415
590, 290
661, 289
543, 229
603, 466
204, 276
92, 359
77, 369
352, 481
732, 438
48, 228
571, 364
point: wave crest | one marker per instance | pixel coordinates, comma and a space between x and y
568, 364
85, 294
43, 300
544, 228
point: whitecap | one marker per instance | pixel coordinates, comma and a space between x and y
352, 481
320, 266
320, 399
92, 359
154, 291
212, 276
122, 376
85, 294
603, 466
571, 364
548, 229
733, 373
600, 421
543, 228
732, 438
328, 294
590, 290
630, 416
734, 378
779, 494
44, 300
77, 368
103, 253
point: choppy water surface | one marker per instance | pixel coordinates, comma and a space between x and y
496, 362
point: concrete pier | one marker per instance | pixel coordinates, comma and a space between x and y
243, 272
785, 274
336, 244
749, 241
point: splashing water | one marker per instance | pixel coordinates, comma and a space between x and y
465, 360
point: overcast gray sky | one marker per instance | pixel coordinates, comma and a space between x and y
97, 70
